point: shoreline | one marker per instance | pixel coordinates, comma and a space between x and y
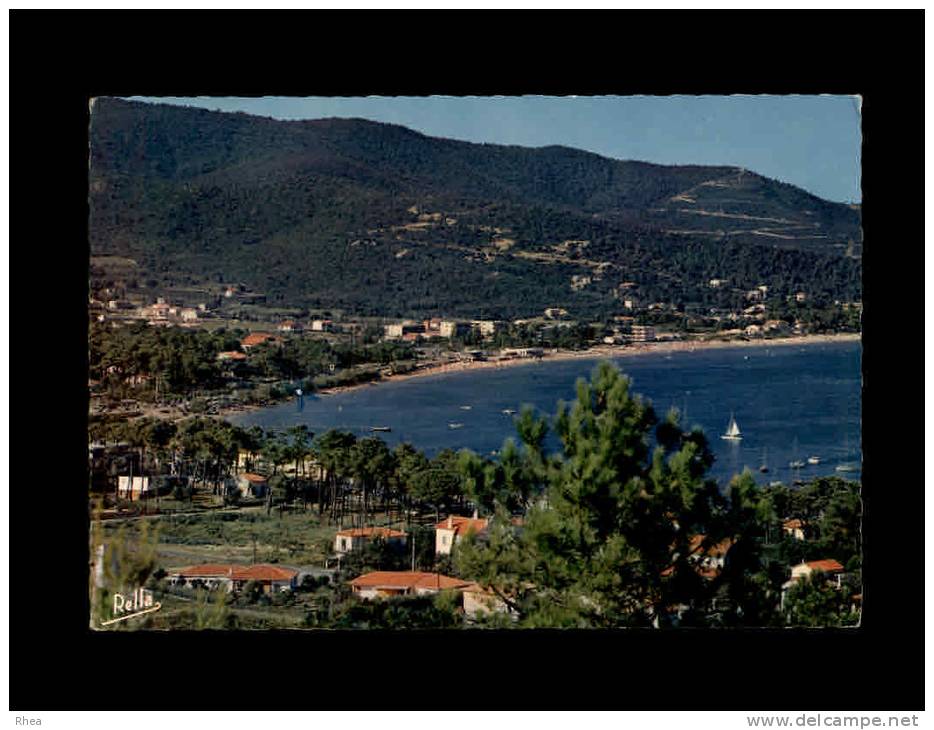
592, 353
599, 351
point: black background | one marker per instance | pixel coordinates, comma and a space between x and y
60, 59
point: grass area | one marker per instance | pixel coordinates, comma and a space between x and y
295, 538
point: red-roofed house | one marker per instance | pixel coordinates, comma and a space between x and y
383, 584
208, 575
230, 577
356, 538
807, 570
453, 529
257, 338
272, 578
252, 485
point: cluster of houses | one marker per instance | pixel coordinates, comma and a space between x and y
412, 331
707, 559
473, 598
161, 313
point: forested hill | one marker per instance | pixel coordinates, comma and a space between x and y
379, 219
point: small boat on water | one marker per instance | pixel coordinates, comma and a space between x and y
775, 484
453, 426
764, 468
466, 408
847, 467
813, 460
380, 428
796, 464
732, 431
509, 411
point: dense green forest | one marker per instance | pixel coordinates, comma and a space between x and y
377, 219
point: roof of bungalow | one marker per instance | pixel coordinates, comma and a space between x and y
264, 572
409, 579
256, 338
231, 355
827, 566
463, 525
255, 478
206, 570
384, 532
793, 524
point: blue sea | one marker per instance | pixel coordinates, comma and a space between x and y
790, 402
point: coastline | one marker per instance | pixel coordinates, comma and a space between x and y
599, 351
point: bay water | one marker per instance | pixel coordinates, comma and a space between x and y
791, 402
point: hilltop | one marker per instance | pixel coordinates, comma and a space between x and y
378, 219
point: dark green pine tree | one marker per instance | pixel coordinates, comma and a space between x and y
615, 525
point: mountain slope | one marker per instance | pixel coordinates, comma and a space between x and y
380, 219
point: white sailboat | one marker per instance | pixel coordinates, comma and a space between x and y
732, 431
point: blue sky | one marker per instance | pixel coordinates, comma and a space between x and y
809, 141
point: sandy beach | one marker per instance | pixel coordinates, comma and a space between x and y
600, 351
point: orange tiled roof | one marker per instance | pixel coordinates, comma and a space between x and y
263, 572
794, 524
384, 532
462, 525
207, 570
826, 566
256, 338
231, 355
255, 478
408, 579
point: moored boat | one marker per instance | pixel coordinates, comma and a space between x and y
380, 428
732, 431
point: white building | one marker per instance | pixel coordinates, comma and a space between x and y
133, 487
452, 530
643, 333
